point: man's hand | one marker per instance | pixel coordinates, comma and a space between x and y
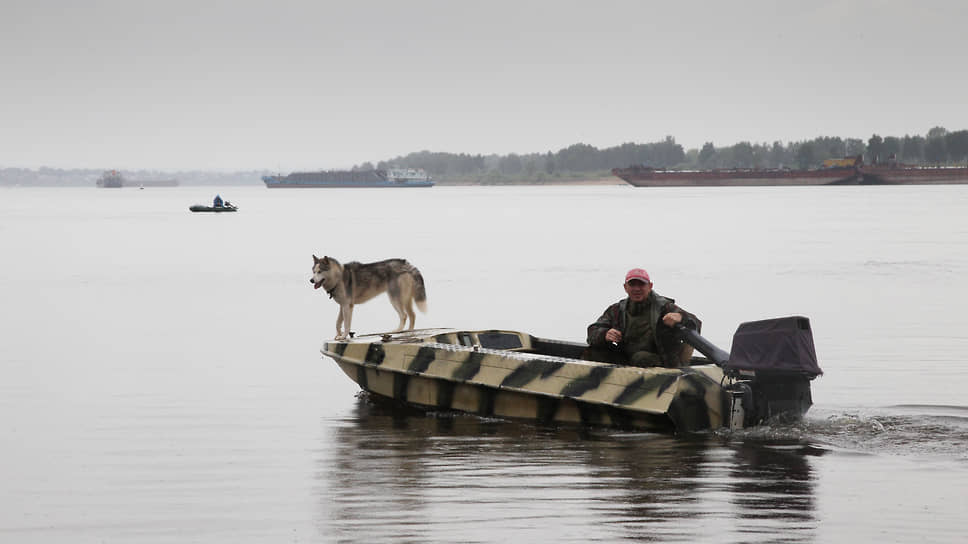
613, 335
671, 318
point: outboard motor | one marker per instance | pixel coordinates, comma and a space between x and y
771, 365
769, 368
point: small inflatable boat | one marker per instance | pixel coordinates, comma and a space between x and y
510, 374
200, 208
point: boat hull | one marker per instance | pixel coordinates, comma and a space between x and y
484, 401
213, 209
865, 175
877, 175
435, 370
647, 177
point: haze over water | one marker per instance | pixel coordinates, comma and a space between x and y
162, 382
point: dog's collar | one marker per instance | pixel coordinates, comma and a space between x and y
330, 291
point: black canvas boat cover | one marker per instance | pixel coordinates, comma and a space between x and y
775, 345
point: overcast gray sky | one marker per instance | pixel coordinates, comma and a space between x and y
302, 84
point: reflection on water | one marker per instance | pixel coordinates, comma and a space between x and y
398, 474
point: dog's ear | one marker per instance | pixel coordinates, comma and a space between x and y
325, 259
315, 259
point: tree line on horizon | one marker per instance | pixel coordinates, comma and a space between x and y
938, 147
579, 161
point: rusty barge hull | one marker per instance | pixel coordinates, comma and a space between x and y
913, 176
871, 175
648, 177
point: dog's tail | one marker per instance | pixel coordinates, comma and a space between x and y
419, 291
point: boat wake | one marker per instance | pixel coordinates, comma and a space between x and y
904, 430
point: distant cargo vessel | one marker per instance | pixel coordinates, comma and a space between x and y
393, 177
113, 179
643, 176
834, 172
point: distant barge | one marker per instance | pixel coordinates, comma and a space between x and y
838, 172
393, 177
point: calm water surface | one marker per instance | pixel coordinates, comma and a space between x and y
160, 375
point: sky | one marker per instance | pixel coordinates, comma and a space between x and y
295, 85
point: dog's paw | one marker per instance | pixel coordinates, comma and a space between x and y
340, 337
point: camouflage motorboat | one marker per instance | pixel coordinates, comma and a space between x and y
509, 374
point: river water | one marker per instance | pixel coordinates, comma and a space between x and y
161, 381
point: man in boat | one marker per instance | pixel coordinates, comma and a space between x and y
638, 330
217, 203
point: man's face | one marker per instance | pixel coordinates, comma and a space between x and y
638, 290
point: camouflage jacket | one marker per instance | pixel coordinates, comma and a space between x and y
671, 349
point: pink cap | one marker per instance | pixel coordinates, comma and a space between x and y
638, 274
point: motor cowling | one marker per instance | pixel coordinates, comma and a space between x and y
772, 362
777, 346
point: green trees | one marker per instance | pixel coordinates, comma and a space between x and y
743, 155
891, 146
706, 154
511, 165
875, 149
912, 148
806, 155
777, 157
854, 146
935, 152
957, 144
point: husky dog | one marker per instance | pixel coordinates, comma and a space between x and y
355, 283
